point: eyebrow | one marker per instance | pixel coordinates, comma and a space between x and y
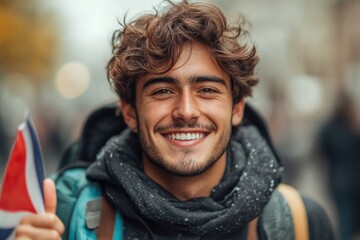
152, 81
209, 78
194, 79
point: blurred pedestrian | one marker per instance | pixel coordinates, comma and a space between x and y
340, 145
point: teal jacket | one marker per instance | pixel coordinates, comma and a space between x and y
74, 192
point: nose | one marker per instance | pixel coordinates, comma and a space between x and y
186, 108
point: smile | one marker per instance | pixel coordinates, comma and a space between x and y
185, 136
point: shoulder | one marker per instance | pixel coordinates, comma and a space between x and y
277, 221
73, 188
318, 221
79, 205
70, 182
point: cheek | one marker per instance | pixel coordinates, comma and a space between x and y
221, 109
152, 114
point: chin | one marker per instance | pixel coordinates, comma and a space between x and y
187, 168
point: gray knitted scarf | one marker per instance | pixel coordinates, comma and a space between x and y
251, 176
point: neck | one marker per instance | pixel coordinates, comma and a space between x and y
185, 188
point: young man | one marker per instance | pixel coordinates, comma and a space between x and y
183, 167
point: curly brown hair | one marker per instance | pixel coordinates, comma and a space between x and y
152, 43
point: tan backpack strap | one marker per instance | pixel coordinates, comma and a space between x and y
298, 211
252, 229
107, 221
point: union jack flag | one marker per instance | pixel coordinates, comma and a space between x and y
22, 189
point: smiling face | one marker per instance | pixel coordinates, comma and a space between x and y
184, 116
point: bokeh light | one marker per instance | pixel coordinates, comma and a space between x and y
72, 80
305, 95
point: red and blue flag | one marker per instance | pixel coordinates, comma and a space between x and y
22, 189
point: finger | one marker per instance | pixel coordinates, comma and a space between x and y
50, 196
26, 231
22, 238
47, 220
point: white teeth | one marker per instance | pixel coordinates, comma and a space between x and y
185, 136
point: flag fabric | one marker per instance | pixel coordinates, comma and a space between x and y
22, 188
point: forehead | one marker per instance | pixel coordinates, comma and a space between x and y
195, 59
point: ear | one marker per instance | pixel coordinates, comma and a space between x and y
238, 112
129, 115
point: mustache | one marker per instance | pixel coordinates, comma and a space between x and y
179, 125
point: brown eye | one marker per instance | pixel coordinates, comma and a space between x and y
162, 91
208, 90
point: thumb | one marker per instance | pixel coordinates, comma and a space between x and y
50, 196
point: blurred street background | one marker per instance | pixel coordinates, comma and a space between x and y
52, 63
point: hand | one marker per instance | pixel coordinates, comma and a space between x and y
42, 226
